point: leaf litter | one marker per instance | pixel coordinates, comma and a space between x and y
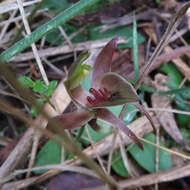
97, 96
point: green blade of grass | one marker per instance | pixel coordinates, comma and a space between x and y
135, 48
175, 91
60, 19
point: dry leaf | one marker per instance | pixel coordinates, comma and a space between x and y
166, 119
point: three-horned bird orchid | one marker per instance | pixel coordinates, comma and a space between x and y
107, 89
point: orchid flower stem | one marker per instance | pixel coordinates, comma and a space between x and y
80, 133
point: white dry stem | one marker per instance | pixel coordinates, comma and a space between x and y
34, 49
10, 5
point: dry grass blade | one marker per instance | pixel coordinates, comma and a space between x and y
166, 149
60, 167
10, 5
162, 176
52, 51
169, 110
163, 42
34, 48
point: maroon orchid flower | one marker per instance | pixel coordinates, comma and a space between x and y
107, 89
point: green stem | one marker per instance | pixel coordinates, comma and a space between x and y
60, 19
135, 48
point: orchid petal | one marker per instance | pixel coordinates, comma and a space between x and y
118, 91
108, 116
75, 119
103, 62
79, 96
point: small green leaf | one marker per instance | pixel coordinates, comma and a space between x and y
51, 87
39, 87
50, 153
146, 158
173, 73
26, 82
118, 165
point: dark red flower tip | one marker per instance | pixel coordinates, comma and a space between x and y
99, 96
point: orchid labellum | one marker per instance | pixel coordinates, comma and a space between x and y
107, 89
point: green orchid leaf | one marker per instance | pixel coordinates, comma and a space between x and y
118, 165
147, 158
26, 82
50, 153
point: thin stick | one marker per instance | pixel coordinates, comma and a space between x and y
6, 7
166, 149
163, 42
111, 151
3, 31
169, 110
97, 155
34, 48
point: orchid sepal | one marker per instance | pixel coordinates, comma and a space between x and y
78, 72
103, 62
108, 116
75, 119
